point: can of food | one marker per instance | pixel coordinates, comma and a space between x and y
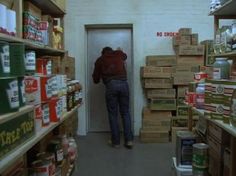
32, 90
4, 59
41, 167
17, 59
9, 94
200, 76
30, 62
200, 159
21, 86
46, 88
41, 66
55, 107
46, 114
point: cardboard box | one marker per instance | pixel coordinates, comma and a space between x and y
190, 50
185, 31
209, 52
161, 93
180, 101
68, 67
182, 111
56, 64
61, 4
183, 78
163, 104
179, 122
161, 60
158, 83
181, 90
34, 10
192, 60
174, 131
186, 69
156, 124
148, 114
156, 72
194, 39
154, 136
181, 40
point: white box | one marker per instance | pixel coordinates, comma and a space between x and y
182, 170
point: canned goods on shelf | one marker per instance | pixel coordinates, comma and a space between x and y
5, 69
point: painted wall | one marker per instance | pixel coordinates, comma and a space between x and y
147, 17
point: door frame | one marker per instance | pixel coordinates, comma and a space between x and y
87, 77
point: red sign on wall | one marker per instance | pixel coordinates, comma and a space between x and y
166, 34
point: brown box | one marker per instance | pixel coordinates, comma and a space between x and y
148, 114
156, 72
183, 78
179, 122
161, 60
158, 83
174, 132
35, 11
185, 31
209, 52
194, 39
68, 67
185, 69
181, 40
192, 60
163, 104
190, 50
161, 93
181, 90
154, 136
56, 64
156, 124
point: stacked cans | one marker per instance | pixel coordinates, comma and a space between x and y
47, 93
12, 70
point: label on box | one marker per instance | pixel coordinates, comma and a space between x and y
5, 62
13, 94
216, 73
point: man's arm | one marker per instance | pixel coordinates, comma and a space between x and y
120, 53
96, 73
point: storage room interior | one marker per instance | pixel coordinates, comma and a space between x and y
117, 88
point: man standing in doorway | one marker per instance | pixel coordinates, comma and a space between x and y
110, 67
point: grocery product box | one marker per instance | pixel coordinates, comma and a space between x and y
158, 83
180, 101
35, 11
161, 60
148, 114
68, 67
217, 111
190, 50
148, 136
185, 31
174, 131
183, 78
56, 64
192, 60
194, 39
162, 104
161, 93
208, 70
182, 111
181, 90
181, 40
179, 122
156, 72
156, 124
32, 90
21, 124
209, 52
186, 69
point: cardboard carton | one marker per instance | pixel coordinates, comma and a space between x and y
163, 104
181, 90
148, 136
189, 50
161, 115
161, 60
156, 72
158, 83
35, 11
185, 31
192, 60
194, 39
161, 93
181, 40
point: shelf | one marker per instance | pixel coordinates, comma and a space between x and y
229, 54
49, 7
226, 9
40, 48
22, 149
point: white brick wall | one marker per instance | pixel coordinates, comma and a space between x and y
147, 17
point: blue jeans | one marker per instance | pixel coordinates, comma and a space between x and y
117, 99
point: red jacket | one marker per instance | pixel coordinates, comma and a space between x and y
110, 66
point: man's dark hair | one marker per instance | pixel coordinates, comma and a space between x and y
107, 49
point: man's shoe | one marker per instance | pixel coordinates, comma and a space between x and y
129, 144
113, 145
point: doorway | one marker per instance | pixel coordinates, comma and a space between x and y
97, 38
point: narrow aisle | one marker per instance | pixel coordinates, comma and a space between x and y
97, 158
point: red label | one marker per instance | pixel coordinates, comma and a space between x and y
31, 85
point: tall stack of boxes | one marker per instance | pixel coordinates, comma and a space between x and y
189, 56
158, 85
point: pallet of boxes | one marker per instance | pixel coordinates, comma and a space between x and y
158, 85
189, 58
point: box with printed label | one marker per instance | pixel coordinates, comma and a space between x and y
181, 40
190, 50
181, 90
174, 132
162, 104
161, 60
32, 90
158, 83
183, 78
185, 31
156, 124
209, 52
161, 93
148, 136
194, 39
148, 114
192, 60
185, 69
156, 72
182, 111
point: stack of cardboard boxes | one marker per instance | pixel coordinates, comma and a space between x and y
158, 84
